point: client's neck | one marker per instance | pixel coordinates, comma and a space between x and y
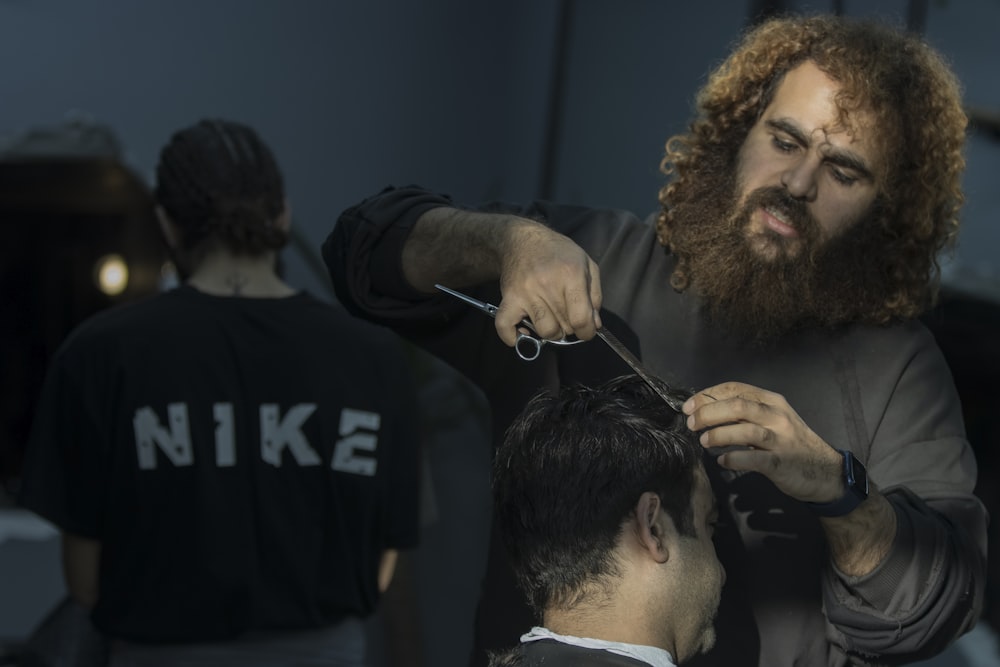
223, 273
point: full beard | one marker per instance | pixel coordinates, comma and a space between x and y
763, 287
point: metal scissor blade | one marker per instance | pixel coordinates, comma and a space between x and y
528, 344
491, 310
636, 366
487, 308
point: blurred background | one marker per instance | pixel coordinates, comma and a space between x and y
569, 100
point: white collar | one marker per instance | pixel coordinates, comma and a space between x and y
651, 655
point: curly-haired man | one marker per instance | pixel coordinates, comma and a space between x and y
796, 244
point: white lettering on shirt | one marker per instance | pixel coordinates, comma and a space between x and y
345, 452
175, 443
353, 452
277, 433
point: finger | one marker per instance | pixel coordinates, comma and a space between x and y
720, 392
596, 293
698, 400
810, 480
569, 301
512, 312
586, 319
718, 451
580, 314
726, 390
709, 414
547, 319
507, 320
736, 434
748, 460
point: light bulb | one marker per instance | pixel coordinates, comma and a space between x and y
111, 274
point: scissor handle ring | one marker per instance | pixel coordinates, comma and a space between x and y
527, 347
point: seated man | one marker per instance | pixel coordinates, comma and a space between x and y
607, 514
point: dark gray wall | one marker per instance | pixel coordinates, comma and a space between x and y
351, 95
453, 94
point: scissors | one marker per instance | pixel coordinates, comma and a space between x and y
528, 345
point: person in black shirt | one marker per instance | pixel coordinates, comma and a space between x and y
232, 463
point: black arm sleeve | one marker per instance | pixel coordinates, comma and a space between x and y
363, 256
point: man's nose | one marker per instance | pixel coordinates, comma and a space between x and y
799, 179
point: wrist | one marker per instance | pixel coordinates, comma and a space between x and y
829, 484
854, 488
513, 232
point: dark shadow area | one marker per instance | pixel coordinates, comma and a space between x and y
967, 328
59, 218
62, 217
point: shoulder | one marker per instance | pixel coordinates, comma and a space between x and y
904, 392
116, 322
356, 346
892, 363
585, 221
337, 321
509, 658
898, 346
610, 236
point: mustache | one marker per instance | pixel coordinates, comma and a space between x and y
791, 209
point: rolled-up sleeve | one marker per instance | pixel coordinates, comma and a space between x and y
363, 254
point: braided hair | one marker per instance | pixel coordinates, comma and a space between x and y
220, 184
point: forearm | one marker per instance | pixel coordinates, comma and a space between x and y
860, 540
457, 248
927, 590
386, 569
81, 563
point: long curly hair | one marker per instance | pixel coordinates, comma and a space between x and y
914, 100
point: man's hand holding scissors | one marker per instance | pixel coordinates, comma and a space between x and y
544, 276
548, 279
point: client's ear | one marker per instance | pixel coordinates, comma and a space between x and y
657, 533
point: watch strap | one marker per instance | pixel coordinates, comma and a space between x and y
855, 489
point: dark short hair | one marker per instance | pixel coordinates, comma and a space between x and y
569, 473
218, 181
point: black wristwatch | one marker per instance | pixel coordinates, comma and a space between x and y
855, 489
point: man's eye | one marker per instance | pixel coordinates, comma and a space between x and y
844, 179
782, 145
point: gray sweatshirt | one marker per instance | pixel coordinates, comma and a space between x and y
885, 393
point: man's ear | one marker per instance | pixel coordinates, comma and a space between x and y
657, 533
170, 232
